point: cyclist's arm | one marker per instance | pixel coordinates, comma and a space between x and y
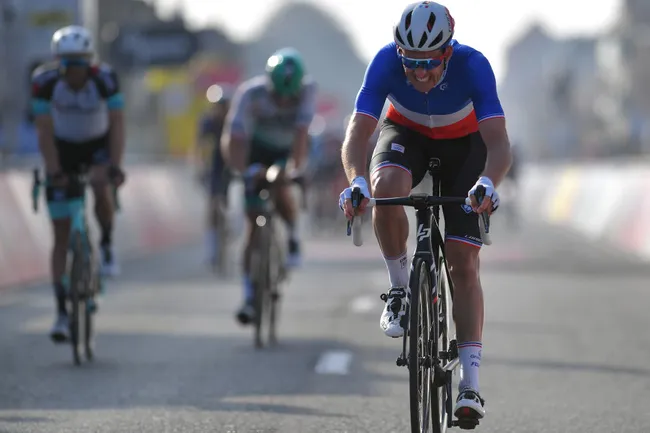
369, 104
492, 122
41, 109
354, 152
300, 149
115, 103
234, 140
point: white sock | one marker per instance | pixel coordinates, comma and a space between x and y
398, 271
470, 362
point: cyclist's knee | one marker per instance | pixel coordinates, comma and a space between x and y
284, 199
61, 232
463, 263
98, 176
390, 182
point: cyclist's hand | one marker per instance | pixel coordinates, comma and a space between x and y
491, 200
57, 179
254, 173
116, 175
345, 199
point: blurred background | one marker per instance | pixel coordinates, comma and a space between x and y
565, 281
573, 79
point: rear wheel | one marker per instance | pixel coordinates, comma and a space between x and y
419, 351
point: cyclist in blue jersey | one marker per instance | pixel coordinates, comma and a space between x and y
443, 104
78, 111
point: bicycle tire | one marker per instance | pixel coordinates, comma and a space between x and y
275, 275
89, 305
420, 321
76, 280
441, 398
260, 281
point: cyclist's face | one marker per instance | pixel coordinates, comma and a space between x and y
424, 68
76, 68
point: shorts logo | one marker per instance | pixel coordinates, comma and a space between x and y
397, 147
467, 208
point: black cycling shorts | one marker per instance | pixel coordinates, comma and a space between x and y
73, 157
462, 161
77, 158
260, 154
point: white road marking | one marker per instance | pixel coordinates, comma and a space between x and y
334, 362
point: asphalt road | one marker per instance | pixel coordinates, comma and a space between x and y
566, 348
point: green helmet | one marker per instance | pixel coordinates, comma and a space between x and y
286, 71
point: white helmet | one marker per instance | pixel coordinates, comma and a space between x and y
72, 40
424, 26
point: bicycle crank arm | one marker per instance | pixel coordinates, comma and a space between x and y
451, 365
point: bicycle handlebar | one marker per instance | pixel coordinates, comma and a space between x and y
417, 201
37, 183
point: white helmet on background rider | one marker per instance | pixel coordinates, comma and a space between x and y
72, 40
424, 26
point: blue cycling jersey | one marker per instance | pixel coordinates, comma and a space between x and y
465, 96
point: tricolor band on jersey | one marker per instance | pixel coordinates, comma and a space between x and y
443, 103
77, 106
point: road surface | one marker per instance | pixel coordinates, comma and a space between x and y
566, 348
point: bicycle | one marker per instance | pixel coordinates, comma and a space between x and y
83, 278
432, 353
268, 267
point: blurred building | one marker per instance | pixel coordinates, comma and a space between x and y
548, 94
165, 69
624, 61
324, 46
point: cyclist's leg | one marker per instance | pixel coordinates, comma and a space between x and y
252, 203
97, 157
462, 163
59, 203
397, 165
287, 209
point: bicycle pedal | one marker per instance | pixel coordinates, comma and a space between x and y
465, 423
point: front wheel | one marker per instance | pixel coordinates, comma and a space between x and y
441, 397
78, 310
419, 351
